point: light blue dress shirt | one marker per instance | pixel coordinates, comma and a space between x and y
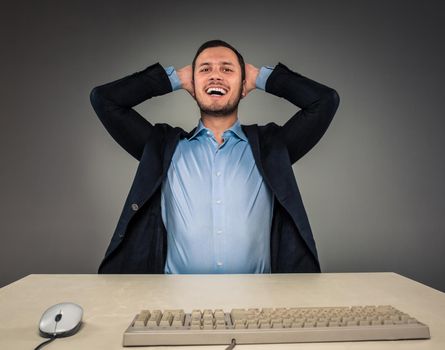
216, 207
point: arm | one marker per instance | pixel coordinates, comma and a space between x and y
113, 104
318, 105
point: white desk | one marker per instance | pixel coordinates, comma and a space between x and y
111, 301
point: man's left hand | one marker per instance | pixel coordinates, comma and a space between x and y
251, 75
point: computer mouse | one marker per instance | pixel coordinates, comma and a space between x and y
61, 320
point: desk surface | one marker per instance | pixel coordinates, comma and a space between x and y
111, 301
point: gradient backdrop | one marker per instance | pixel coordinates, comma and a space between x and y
373, 187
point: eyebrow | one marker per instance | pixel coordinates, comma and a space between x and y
225, 63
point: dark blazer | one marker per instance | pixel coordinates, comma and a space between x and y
139, 243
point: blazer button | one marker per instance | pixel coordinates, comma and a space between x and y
135, 207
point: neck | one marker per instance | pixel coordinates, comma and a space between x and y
219, 124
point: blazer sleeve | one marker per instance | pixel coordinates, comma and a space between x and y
318, 105
113, 104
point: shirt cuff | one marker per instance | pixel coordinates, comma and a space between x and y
262, 77
173, 77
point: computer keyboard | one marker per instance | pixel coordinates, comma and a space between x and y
272, 325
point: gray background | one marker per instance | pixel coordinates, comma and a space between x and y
373, 187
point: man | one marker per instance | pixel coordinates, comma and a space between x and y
223, 197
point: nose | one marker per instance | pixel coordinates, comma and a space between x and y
215, 75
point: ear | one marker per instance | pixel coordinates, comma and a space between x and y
244, 89
193, 88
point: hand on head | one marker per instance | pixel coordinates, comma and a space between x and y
185, 74
251, 75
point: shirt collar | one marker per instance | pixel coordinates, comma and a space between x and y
235, 128
198, 130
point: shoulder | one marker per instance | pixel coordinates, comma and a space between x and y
167, 130
268, 130
264, 138
163, 133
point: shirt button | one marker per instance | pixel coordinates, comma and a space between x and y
135, 207
218, 173
219, 263
218, 201
219, 232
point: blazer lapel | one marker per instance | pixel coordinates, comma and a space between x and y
251, 132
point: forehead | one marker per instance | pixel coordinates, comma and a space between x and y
217, 55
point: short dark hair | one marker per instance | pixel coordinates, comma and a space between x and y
218, 43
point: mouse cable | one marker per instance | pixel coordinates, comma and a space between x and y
45, 343
232, 345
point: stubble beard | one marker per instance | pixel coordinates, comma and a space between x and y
224, 111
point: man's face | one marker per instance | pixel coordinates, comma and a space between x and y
217, 81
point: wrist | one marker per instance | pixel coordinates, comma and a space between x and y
263, 74
175, 81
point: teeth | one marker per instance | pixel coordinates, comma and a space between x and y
215, 89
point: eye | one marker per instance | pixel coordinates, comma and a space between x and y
227, 69
204, 69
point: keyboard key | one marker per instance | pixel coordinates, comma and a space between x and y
155, 318
166, 319
141, 319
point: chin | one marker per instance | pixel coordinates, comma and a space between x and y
218, 110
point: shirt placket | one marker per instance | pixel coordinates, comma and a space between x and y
218, 205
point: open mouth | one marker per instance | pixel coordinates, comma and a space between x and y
216, 91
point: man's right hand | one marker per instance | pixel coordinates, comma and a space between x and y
185, 74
